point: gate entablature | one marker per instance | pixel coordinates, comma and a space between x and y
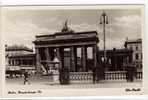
67, 39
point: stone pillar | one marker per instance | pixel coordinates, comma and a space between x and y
21, 62
95, 55
38, 61
10, 61
58, 53
18, 62
14, 62
84, 57
73, 59
115, 61
48, 58
58, 56
48, 54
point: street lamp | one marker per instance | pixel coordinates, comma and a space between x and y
104, 21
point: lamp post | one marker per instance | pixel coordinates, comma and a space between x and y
104, 21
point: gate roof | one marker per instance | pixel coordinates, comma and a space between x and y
67, 39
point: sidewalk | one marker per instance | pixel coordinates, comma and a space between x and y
46, 83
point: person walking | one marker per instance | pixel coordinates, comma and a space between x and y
130, 72
26, 77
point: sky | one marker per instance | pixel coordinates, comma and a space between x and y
20, 26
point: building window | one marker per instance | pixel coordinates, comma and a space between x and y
137, 56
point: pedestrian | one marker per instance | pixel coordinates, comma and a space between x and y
26, 77
130, 72
135, 72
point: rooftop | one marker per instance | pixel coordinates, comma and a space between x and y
18, 48
116, 50
134, 40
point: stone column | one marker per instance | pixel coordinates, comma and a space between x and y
48, 54
58, 53
48, 58
14, 62
95, 55
58, 56
84, 57
115, 61
38, 61
21, 62
10, 61
73, 59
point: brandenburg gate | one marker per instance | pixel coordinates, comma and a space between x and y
64, 45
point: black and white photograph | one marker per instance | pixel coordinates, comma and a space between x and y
73, 47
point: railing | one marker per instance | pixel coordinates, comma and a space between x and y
81, 76
115, 75
110, 75
120, 75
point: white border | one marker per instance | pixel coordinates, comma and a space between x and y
63, 2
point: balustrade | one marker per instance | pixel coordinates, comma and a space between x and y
110, 75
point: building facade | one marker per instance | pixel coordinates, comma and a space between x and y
19, 58
136, 46
117, 59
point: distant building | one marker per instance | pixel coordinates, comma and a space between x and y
19, 58
116, 58
136, 46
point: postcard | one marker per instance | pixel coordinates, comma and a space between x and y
77, 50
